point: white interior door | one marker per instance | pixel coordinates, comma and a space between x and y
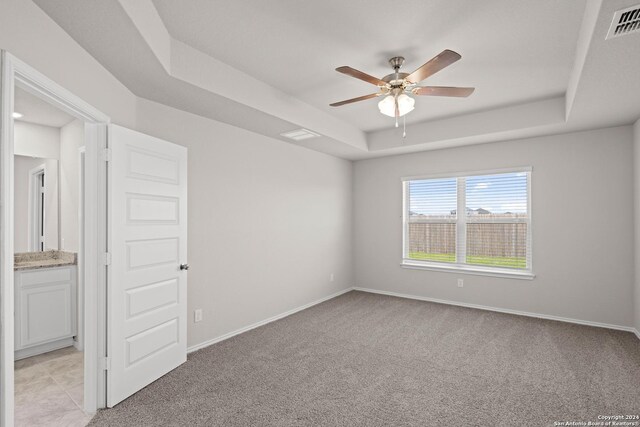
147, 286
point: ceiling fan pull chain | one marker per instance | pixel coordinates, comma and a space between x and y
397, 108
404, 126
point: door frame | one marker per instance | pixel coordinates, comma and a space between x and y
32, 234
79, 344
14, 73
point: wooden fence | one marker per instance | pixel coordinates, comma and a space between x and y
483, 239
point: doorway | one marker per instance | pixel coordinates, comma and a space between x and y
48, 353
140, 259
89, 242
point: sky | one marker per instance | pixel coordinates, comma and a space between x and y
496, 193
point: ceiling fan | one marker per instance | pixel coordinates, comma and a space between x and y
397, 86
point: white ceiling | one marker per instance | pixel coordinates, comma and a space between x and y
539, 66
512, 51
35, 110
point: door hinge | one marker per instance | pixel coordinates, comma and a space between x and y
106, 154
105, 363
106, 258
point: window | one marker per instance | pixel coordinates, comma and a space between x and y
478, 223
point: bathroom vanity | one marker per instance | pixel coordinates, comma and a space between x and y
45, 301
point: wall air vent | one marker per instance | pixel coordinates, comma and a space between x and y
300, 134
625, 21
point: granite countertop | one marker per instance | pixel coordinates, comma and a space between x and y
46, 259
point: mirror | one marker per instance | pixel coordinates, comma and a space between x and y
46, 144
36, 204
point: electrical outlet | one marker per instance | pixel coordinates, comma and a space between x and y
197, 315
331, 277
460, 283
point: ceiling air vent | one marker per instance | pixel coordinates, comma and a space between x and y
300, 134
624, 22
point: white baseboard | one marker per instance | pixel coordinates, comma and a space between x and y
264, 322
42, 348
635, 331
503, 310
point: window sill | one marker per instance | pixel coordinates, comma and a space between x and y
478, 271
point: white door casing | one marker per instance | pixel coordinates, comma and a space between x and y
147, 289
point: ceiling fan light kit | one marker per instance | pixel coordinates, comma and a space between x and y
396, 87
388, 105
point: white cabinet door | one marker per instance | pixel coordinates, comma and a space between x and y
147, 290
45, 306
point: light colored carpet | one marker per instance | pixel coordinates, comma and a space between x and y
370, 360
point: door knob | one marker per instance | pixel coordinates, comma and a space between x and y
184, 266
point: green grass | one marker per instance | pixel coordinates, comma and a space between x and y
511, 262
433, 257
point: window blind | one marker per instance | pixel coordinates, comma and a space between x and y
497, 220
432, 220
478, 220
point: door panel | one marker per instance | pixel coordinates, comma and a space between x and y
148, 241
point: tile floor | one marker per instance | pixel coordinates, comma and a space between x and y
49, 389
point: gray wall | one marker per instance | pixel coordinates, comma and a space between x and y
71, 139
636, 181
30, 139
268, 221
582, 217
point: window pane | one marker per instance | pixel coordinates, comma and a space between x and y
497, 196
432, 242
432, 199
498, 245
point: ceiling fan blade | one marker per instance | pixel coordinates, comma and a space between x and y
461, 92
360, 98
360, 75
437, 63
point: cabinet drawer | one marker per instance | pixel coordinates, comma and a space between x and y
46, 275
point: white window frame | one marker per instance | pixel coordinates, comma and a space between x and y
461, 227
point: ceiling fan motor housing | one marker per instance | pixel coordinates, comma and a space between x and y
396, 62
396, 79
